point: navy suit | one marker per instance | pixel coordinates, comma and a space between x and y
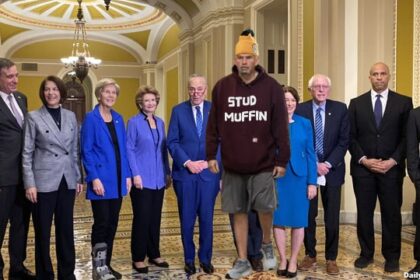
386, 141
196, 193
336, 140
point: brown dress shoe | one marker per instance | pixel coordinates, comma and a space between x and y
256, 264
332, 268
307, 263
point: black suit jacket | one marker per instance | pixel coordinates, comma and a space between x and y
387, 141
11, 137
413, 141
336, 136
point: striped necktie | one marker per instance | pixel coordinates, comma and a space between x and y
319, 135
198, 120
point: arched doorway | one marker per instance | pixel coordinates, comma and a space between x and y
76, 100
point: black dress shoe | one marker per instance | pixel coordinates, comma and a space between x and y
392, 266
414, 273
23, 273
256, 264
207, 267
159, 264
283, 272
416, 268
290, 274
362, 262
189, 268
115, 273
142, 270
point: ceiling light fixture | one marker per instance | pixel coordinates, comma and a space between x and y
80, 58
107, 2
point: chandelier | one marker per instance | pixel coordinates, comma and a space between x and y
80, 59
107, 2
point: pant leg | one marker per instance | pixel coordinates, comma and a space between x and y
207, 192
7, 197
64, 233
255, 236
153, 249
42, 214
331, 197
19, 227
365, 190
390, 199
114, 216
187, 196
141, 202
310, 230
416, 247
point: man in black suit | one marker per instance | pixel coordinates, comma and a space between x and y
14, 205
331, 141
413, 167
378, 121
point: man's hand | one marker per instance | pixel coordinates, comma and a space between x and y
322, 169
196, 167
278, 172
213, 166
378, 165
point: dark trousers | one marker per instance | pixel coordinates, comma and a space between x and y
106, 213
389, 192
145, 232
196, 197
331, 197
416, 247
255, 235
16, 208
58, 204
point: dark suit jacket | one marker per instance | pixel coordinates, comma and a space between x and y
387, 141
185, 144
413, 141
336, 136
11, 138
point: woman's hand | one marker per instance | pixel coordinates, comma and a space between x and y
31, 194
129, 184
79, 188
98, 188
138, 182
312, 191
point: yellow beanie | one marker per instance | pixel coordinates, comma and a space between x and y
246, 45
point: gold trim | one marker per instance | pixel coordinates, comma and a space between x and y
416, 55
300, 82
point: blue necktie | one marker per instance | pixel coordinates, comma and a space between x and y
319, 135
198, 120
378, 110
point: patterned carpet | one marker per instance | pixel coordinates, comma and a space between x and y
223, 254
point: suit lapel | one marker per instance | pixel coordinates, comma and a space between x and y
50, 122
388, 107
5, 109
190, 115
101, 122
206, 112
21, 103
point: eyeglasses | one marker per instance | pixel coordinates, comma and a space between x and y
199, 90
320, 87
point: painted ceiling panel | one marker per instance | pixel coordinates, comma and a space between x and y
55, 49
59, 12
141, 37
8, 31
94, 13
45, 7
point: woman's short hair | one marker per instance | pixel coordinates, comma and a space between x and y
293, 91
60, 85
145, 90
101, 84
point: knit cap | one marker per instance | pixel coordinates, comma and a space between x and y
247, 43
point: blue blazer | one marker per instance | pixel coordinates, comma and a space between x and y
302, 159
185, 144
146, 159
98, 154
336, 136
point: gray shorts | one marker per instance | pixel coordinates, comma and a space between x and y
241, 193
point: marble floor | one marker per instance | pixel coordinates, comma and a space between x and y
223, 254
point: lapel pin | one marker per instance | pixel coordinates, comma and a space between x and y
329, 114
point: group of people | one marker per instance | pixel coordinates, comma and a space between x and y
268, 155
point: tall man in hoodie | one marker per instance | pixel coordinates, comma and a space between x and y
249, 119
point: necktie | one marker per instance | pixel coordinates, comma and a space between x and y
319, 135
378, 110
15, 110
198, 120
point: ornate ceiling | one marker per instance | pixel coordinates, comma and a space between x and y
136, 26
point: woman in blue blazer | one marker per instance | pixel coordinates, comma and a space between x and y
148, 158
296, 188
108, 176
